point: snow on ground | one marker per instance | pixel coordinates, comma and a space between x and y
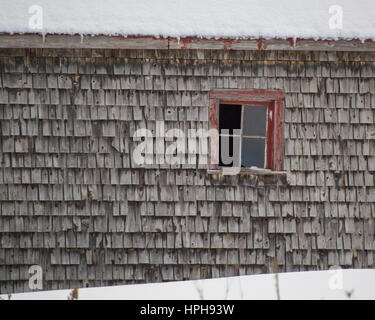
201, 18
332, 284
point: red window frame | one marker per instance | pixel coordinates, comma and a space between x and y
273, 99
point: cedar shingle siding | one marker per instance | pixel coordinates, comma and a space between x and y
72, 202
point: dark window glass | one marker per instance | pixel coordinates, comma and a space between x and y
252, 154
230, 117
254, 123
253, 126
229, 151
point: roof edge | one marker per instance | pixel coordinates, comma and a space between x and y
56, 41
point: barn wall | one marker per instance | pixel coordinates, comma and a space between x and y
73, 202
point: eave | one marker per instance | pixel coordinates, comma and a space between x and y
55, 41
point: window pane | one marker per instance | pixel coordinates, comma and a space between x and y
254, 122
230, 117
253, 150
229, 151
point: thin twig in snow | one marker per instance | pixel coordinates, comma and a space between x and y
199, 289
276, 271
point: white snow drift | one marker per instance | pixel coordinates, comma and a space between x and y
331, 284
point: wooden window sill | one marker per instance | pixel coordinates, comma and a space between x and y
249, 171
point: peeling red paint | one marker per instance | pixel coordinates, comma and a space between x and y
292, 42
247, 95
214, 139
270, 163
261, 44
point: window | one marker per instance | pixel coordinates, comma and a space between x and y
249, 125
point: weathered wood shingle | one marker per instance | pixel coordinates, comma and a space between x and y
73, 201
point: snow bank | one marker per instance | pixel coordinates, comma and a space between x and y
332, 284
192, 18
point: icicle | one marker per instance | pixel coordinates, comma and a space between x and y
81, 37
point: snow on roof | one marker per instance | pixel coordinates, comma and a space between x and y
236, 19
